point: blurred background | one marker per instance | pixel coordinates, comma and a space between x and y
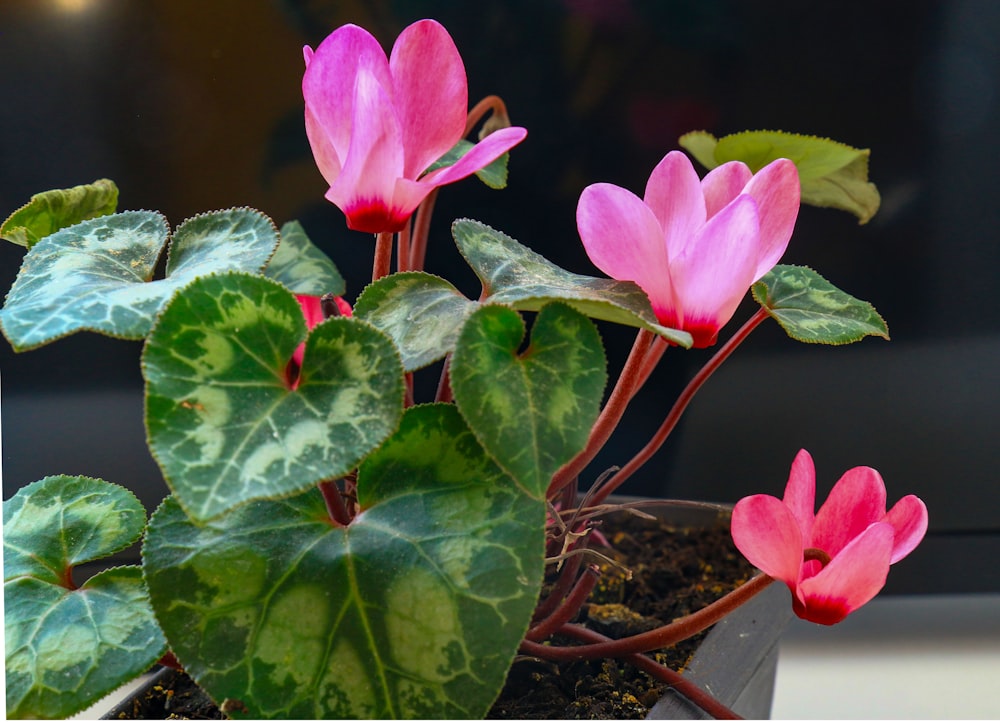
195, 105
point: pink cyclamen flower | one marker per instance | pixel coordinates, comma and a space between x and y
312, 310
694, 246
376, 124
836, 560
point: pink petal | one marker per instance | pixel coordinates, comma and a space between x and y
855, 502
852, 578
908, 518
323, 151
430, 92
767, 534
723, 184
674, 194
365, 188
479, 156
623, 239
712, 273
312, 309
328, 87
777, 190
800, 492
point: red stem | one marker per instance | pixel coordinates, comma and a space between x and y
569, 608
335, 505
680, 405
627, 385
566, 577
421, 230
403, 248
675, 680
383, 255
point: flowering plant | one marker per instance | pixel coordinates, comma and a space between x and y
334, 546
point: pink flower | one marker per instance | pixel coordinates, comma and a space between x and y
376, 124
836, 560
312, 310
694, 246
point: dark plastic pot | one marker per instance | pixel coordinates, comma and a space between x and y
736, 662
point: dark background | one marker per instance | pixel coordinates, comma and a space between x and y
195, 105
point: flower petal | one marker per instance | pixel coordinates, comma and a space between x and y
673, 193
480, 155
711, 274
624, 240
723, 184
855, 502
800, 492
328, 86
852, 578
365, 188
777, 190
430, 91
909, 519
768, 535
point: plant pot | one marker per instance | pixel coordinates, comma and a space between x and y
736, 662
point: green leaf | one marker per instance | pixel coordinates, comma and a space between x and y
832, 174
421, 313
222, 420
532, 412
414, 610
811, 309
67, 648
95, 276
515, 275
50, 211
494, 175
302, 267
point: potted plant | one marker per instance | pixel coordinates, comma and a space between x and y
337, 545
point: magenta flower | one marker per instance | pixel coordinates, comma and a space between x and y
376, 124
836, 560
694, 246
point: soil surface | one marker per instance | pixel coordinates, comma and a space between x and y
674, 572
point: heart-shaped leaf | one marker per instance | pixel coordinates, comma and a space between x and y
832, 174
50, 211
224, 422
531, 411
811, 309
420, 312
67, 647
414, 610
95, 276
515, 275
302, 267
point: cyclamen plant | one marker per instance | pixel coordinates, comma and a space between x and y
333, 546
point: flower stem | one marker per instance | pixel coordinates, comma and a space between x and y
489, 103
680, 405
672, 678
421, 229
335, 505
625, 388
568, 608
667, 635
383, 255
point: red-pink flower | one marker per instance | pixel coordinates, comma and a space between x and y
312, 310
836, 560
694, 246
376, 124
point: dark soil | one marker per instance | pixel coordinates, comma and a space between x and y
674, 572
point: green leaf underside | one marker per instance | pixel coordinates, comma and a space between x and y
832, 174
96, 275
493, 175
414, 610
66, 648
50, 211
811, 309
222, 421
532, 412
515, 275
421, 313
302, 267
